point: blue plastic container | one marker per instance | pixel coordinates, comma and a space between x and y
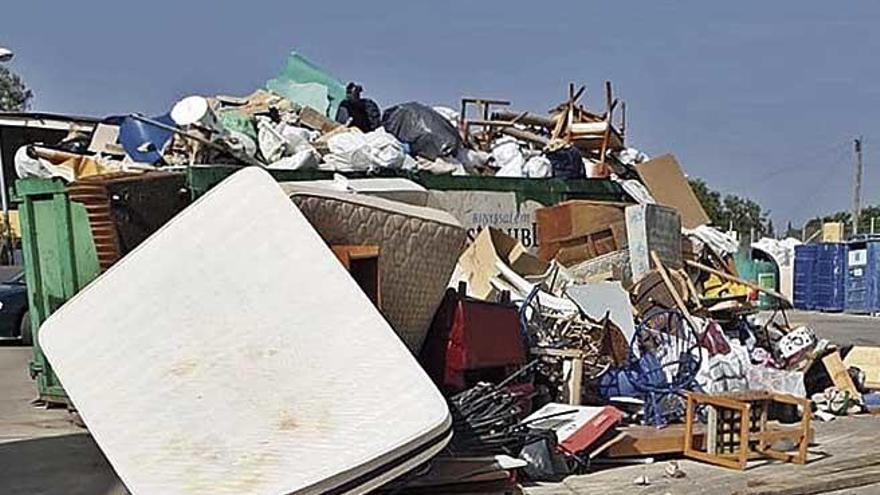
829, 277
863, 277
820, 276
804, 264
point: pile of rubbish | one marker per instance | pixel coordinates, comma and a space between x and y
629, 318
306, 119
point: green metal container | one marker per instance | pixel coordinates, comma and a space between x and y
201, 178
59, 260
767, 280
761, 272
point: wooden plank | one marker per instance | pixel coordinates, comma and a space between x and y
641, 440
839, 375
575, 381
674, 292
731, 278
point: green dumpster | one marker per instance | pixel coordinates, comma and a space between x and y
505, 203
59, 260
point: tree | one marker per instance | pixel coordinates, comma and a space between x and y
790, 231
14, 95
742, 214
711, 201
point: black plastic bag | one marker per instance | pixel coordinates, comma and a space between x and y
567, 163
427, 133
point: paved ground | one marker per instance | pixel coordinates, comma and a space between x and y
43, 452
844, 459
841, 328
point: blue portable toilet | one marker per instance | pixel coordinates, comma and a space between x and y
863, 277
829, 277
804, 264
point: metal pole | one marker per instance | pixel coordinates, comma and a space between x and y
857, 193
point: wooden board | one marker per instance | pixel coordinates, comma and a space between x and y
866, 359
839, 376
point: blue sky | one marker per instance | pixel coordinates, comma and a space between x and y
758, 98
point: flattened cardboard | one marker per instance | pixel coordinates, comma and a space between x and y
666, 182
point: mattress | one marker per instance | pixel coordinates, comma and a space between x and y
391, 188
231, 353
418, 249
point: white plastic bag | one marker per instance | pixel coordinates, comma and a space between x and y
27, 166
384, 149
280, 140
538, 167
508, 157
301, 160
448, 114
348, 152
354, 151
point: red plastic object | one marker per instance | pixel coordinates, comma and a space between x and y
470, 334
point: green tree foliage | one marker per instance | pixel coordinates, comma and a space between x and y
813, 226
711, 201
14, 95
742, 214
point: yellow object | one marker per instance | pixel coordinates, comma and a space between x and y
714, 288
832, 232
13, 223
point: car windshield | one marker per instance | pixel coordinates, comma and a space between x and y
17, 279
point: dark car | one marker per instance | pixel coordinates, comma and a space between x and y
14, 321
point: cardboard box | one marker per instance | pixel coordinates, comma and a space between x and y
575, 231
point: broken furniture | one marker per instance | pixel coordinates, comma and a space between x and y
646, 440
242, 391
576, 231
472, 340
737, 428
363, 264
572, 370
484, 109
419, 249
576, 427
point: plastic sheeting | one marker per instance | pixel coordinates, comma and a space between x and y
721, 243
281, 140
567, 163
305, 83
427, 132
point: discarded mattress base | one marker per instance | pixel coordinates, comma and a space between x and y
191, 429
419, 249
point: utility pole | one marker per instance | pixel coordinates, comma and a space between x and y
857, 193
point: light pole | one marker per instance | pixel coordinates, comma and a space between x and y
5, 56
